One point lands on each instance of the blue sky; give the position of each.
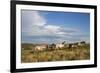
(54, 27)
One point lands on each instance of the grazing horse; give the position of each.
(73, 45)
(81, 43)
(56, 46)
(40, 47)
(59, 45)
(51, 46)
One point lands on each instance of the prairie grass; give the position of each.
(63, 54)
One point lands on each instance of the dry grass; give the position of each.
(63, 54)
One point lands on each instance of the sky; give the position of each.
(54, 27)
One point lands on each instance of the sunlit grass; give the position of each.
(63, 54)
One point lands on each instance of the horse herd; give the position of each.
(58, 46)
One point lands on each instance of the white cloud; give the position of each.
(52, 28)
(61, 33)
(38, 20)
(34, 24)
(31, 20)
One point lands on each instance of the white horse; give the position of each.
(59, 45)
(40, 48)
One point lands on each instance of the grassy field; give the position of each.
(64, 54)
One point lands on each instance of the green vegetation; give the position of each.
(28, 54)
